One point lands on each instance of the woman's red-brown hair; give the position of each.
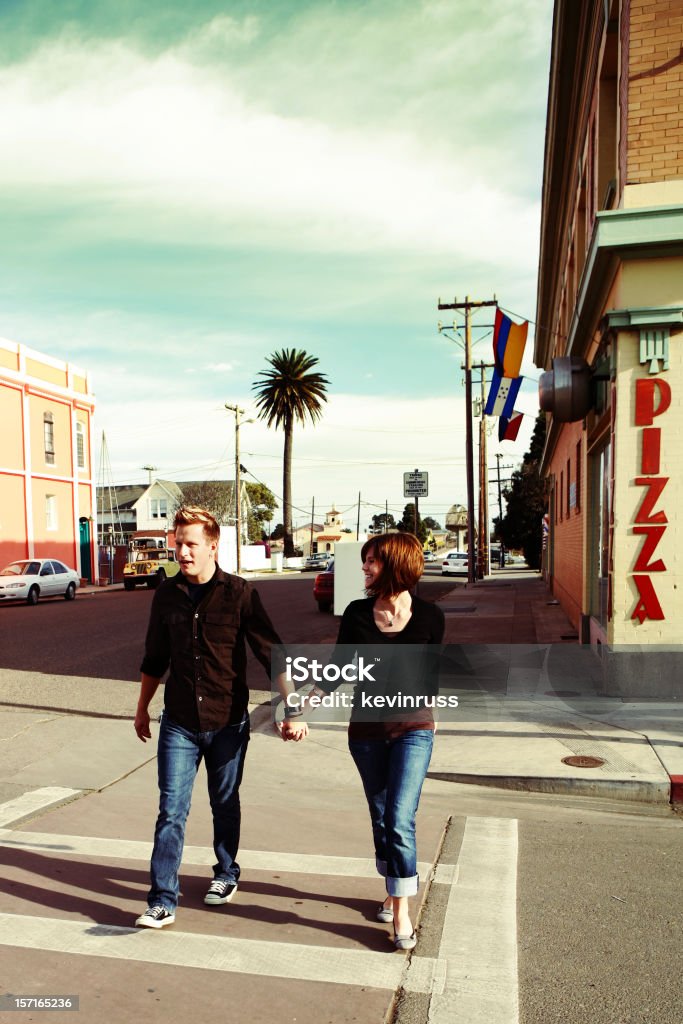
(402, 561)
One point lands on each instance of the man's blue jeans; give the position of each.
(179, 756)
(393, 771)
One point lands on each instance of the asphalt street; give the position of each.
(535, 909)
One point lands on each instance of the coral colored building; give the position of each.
(47, 490)
(610, 294)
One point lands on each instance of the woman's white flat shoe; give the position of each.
(405, 941)
(385, 914)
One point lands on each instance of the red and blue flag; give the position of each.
(509, 428)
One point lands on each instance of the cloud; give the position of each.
(187, 191)
(201, 148)
(362, 443)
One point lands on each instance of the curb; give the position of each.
(633, 791)
(676, 789)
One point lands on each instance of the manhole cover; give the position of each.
(583, 762)
(562, 693)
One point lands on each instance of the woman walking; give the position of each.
(392, 754)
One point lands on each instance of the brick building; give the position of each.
(610, 295)
(47, 490)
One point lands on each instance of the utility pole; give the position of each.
(312, 521)
(150, 470)
(468, 305)
(499, 456)
(237, 486)
(483, 522)
(358, 519)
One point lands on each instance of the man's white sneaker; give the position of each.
(155, 917)
(220, 891)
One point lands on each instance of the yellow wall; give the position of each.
(38, 406)
(12, 519)
(58, 543)
(648, 283)
(84, 501)
(11, 434)
(655, 193)
(42, 371)
(668, 585)
(9, 359)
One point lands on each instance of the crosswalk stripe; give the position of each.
(254, 860)
(33, 801)
(479, 940)
(293, 961)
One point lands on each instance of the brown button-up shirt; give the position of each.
(204, 647)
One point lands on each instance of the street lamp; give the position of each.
(237, 485)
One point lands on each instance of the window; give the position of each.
(599, 531)
(49, 438)
(158, 508)
(569, 487)
(578, 476)
(80, 444)
(58, 568)
(561, 502)
(51, 511)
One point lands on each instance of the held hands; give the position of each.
(293, 729)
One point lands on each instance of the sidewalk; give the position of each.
(535, 698)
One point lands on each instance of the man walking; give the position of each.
(198, 624)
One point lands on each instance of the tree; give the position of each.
(278, 532)
(216, 496)
(520, 527)
(382, 523)
(407, 523)
(288, 393)
(263, 505)
(431, 523)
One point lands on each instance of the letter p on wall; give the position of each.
(653, 397)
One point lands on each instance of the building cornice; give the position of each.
(619, 235)
(645, 316)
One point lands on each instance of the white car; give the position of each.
(455, 564)
(429, 556)
(33, 578)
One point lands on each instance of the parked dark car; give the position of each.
(323, 588)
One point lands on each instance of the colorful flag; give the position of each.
(509, 428)
(503, 395)
(509, 340)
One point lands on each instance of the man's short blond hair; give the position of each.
(187, 515)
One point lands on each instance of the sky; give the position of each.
(187, 188)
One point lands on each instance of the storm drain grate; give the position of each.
(581, 761)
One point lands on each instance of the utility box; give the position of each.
(349, 583)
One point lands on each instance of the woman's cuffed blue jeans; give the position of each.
(392, 772)
(179, 755)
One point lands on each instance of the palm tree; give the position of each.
(286, 393)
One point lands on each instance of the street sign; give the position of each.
(415, 484)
